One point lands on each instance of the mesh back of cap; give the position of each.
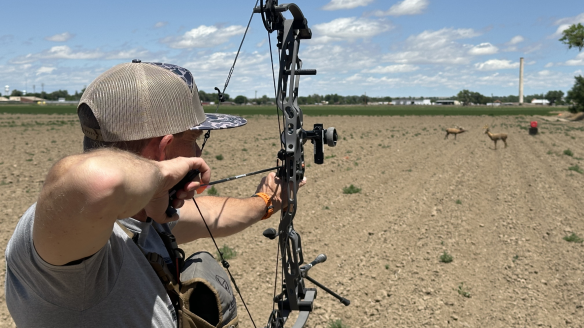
(138, 101)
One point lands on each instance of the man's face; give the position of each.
(185, 145)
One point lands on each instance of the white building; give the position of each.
(540, 102)
(411, 102)
(447, 102)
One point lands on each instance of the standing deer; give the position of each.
(496, 136)
(454, 131)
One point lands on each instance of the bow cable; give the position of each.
(221, 93)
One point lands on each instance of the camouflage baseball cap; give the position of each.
(141, 100)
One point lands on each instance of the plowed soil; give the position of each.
(501, 214)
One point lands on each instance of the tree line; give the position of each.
(466, 97)
(55, 95)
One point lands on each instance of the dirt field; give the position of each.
(502, 215)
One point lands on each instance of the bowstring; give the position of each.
(208, 134)
(281, 147)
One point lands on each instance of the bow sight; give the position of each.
(294, 295)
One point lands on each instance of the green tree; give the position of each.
(464, 97)
(554, 97)
(16, 93)
(576, 95)
(573, 36)
(240, 100)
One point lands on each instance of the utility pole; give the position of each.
(42, 87)
(33, 89)
(256, 95)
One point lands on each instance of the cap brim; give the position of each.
(220, 121)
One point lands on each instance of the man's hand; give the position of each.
(172, 171)
(274, 187)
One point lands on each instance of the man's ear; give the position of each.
(162, 146)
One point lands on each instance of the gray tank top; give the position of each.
(116, 287)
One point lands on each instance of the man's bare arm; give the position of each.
(84, 194)
(227, 216)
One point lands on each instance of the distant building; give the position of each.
(450, 102)
(31, 99)
(411, 102)
(3, 99)
(540, 102)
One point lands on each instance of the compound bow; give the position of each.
(294, 296)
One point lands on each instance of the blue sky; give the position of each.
(384, 48)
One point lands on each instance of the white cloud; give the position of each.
(160, 24)
(549, 65)
(339, 59)
(402, 68)
(346, 4)
(496, 64)
(434, 47)
(406, 7)
(350, 28)
(564, 23)
(64, 52)
(204, 37)
(515, 40)
(127, 54)
(577, 61)
(483, 49)
(60, 37)
(45, 69)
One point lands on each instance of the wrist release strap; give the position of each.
(269, 206)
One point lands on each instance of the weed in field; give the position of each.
(387, 267)
(568, 152)
(326, 208)
(212, 191)
(462, 291)
(351, 190)
(550, 152)
(29, 160)
(244, 149)
(515, 258)
(330, 156)
(576, 168)
(228, 253)
(382, 172)
(206, 153)
(409, 170)
(349, 168)
(458, 202)
(573, 238)
(356, 163)
(219, 157)
(273, 144)
(53, 141)
(446, 258)
(336, 324)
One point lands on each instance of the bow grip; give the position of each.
(190, 176)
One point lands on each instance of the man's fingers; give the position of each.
(302, 183)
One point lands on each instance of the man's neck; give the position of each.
(140, 216)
